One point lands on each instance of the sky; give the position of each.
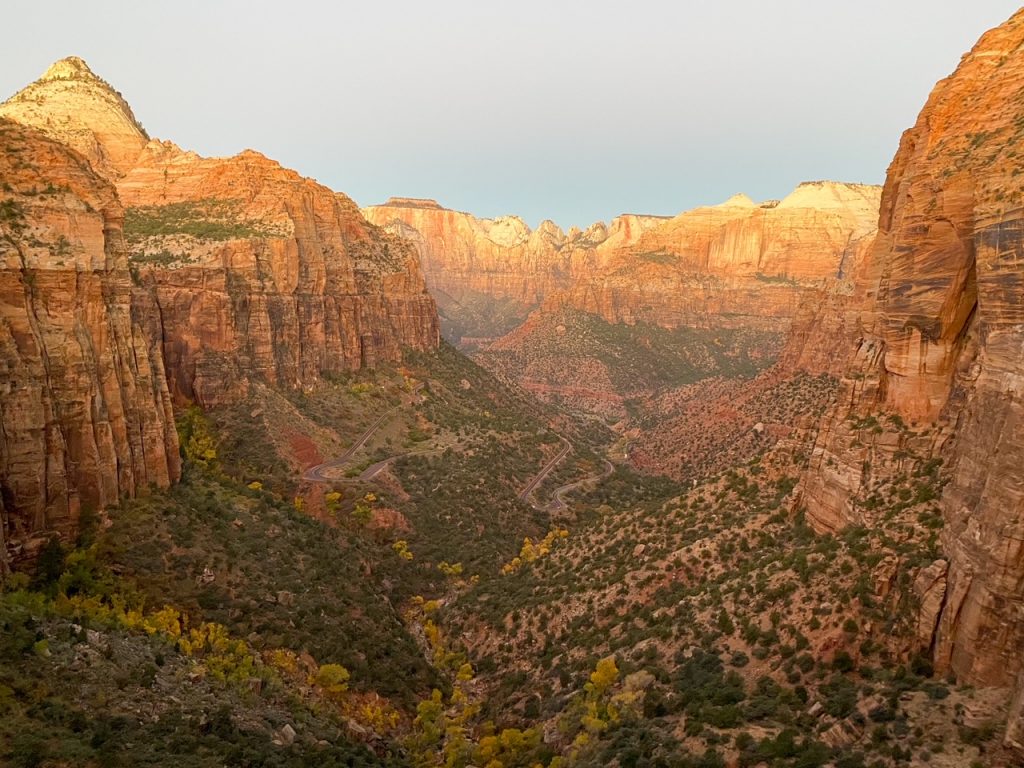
(567, 109)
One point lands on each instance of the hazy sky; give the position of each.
(569, 110)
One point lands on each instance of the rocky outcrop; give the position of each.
(72, 105)
(85, 413)
(216, 273)
(259, 273)
(734, 265)
(489, 274)
(938, 340)
(254, 272)
(501, 258)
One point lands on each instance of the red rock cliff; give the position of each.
(85, 413)
(260, 273)
(737, 264)
(254, 272)
(938, 341)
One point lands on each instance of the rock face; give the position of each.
(216, 273)
(72, 105)
(474, 265)
(259, 273)
(937, 342)
(85, 413)
(254, 272)
(737, 264)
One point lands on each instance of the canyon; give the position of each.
(936, 342)
(207, 274)
(785, 436)
(734, 265)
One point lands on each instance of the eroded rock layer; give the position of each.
(72, 105)
(216, 273)
(938, 342)
(737, 264)
(261, 273)
(85, 413)
(488, 274)
(734, 265)
(254, 271)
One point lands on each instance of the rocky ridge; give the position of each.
(71, 104)
(471, 264)
(137, 273)
(260, 273)
(728, 265)
(255, 273)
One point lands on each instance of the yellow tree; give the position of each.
(332, 679)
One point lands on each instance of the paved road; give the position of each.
(321, 472)
(557, 503)
(375, 469)
(539, 477)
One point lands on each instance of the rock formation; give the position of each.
(469, 261)
(736, 265)
(72, 105)
(937, 342)
(219, 272)
(85, 413)
(259, 273)
(255, 272)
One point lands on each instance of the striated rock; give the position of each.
(736, 265)
(252, 271)
(1014, 741)
(474, 265)
(220, 272)
(462, 255)
(930, 588)
(814, 233)
(260, 273)
(72, 105)
(938, 340)
(85, 413)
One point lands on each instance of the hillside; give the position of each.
(738, 488)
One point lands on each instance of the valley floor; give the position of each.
(424, 566)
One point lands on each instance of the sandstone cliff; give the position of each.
(254, 272)
(937, 343)
(259, 273)
(488, 274)
(72, 105)
(735, 265)
(220, 272)
(85, 413)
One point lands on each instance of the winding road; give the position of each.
(531, 486)
(321, 472)
(326, 472)
(557, 503)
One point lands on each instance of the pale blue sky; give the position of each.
(570, 110)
